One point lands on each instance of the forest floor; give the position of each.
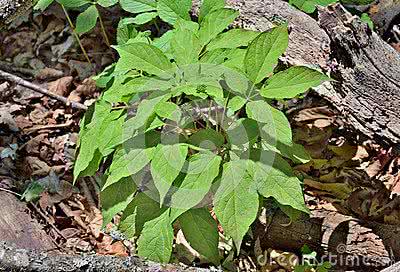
(38, 135)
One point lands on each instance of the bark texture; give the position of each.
(351, 244)
(19, 228)
(10, 9)
(23, 260)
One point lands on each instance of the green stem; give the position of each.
(103, 29)
(76, 34)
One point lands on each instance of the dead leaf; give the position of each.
(60, 86)
(87, 88)
(74, 96)
(48, 73)
(107, 247)
(36, 166)
(38, 115)
(77, 243)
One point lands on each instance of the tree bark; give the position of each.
(19, 228)
(348, 243)
(23, 260)
(10, 9)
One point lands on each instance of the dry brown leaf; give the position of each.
(107, 247)
(339, 190)
(60, 86)
(38, 115)
(74, 97)
(48, 73)
(87, 88)
(77, 243)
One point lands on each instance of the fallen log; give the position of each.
(348, 243)
(23, 260)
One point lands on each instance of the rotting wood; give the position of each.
(350, 243)
(19, 228)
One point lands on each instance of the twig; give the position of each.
(45, 217)
(56, 126)
(13, 68)
(27, 84)
(10, 192)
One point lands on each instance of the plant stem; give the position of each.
(103, 29)
(76, 34)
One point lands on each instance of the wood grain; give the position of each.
(17, 227)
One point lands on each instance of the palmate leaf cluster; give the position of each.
(159, 176)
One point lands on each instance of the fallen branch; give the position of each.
(19, 81)
(12, 259)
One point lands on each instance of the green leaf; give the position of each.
(200, 174)
(232, 39)
(186, 47)
(170, 10)
(293, 214)
(182, 24)
(33, 192)
(141, 209)
(104, 125)
(106, 3)
(292, 82)
(236, 103)
(242, 132)
(138, 6)
(236, 200)
(214, 23)
(155, 242)
(278, 181)
(366, 19)
(86, 21)
(144, 57)
(143, 18)
(295, 152)
(166, 165)
(201, 231)
(128, 164)
(125, 33)
(169, 110)
(43, 4)
(207, 139)
(73, 3)
(116, 197)
(209, 5)
(145, 110)
(275, 128)
(264, 51)
(163, 43)
(308, 6)
(120, 89)
(110, 133)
